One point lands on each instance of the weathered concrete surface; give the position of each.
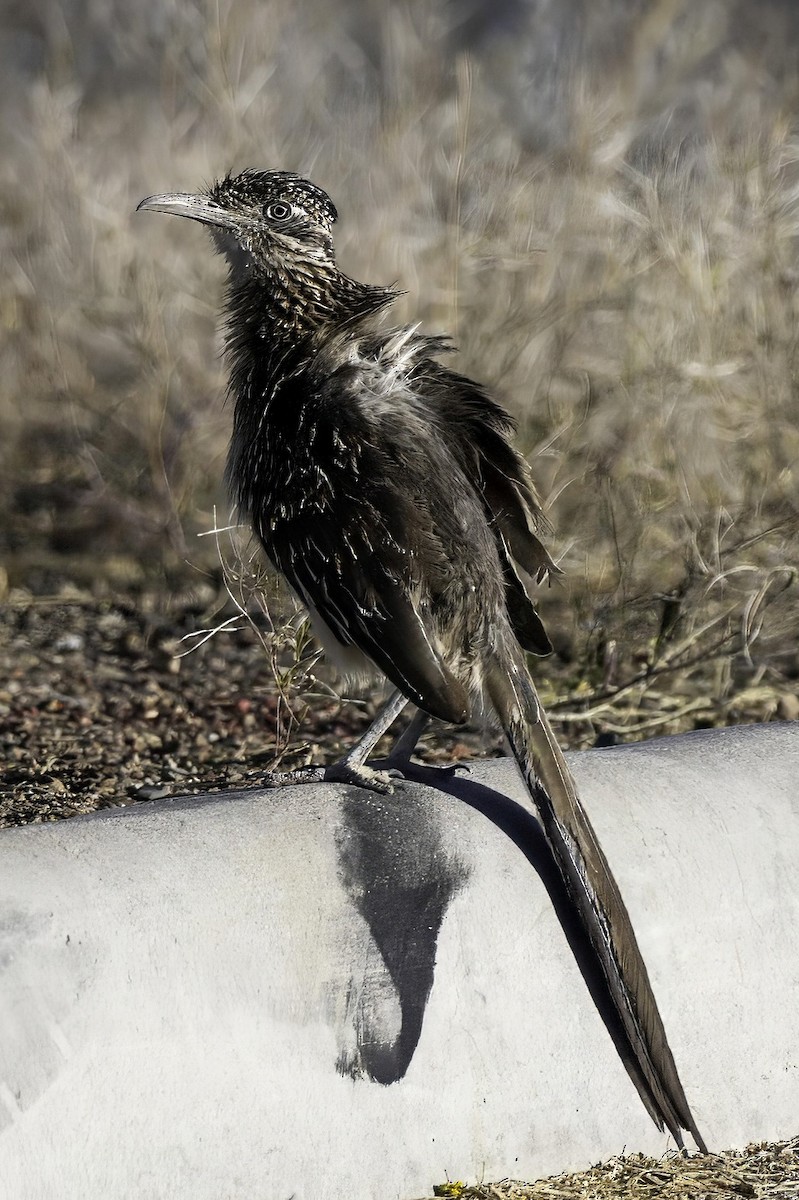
(322, 992)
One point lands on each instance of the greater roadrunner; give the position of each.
(385, 488)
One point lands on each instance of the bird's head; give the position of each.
(263, 221)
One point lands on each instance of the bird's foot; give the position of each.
(361, 775)
(373, 779)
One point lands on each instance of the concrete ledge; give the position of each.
(324, 992)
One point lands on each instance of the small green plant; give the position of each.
(450, 1188)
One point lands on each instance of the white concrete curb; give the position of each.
(321, 992)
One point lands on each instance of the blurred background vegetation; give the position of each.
(600, 200)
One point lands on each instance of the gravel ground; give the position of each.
(100, 705)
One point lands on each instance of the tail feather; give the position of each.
(596, 896)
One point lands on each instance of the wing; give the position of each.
(365, 603)
(527, 625)
(480, 429)
(352, 534)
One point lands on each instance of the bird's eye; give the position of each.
(279, 211)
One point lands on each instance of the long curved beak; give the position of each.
(197, 208)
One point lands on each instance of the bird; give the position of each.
(386, 488)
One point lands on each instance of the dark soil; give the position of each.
(101, 705)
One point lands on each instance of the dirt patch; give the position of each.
(106, 702)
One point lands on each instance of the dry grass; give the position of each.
(765, 1170)
(604, 210)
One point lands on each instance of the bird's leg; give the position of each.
(352, 768)
(399, 759)
(405, 744)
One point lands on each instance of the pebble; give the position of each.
(69, 643)
(152, 791)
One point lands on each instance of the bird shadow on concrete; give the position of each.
(525, 831)
(401, 875)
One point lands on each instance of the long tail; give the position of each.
(595, 894)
